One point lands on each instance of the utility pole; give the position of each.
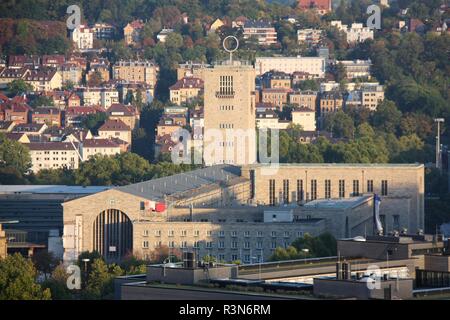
(438, 143)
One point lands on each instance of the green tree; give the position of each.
(18, 280)
(340, 124)
(18, 87)
(14, 154)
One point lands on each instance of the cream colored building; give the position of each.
(313, 65)
(229, 106)
(307, 99)
(205, 210)
(191, 69)
(185, 90)
(3, 247)
(105, 147)
(104, 96)
(44, 79)
(136, 71)
(355, 33)
(372, 96)
(83, 37)
(304, 117)
(115, 129)
(53, 155)
(310, 37)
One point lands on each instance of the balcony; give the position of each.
(225, 95)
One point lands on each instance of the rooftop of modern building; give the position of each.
(338, 203)
(158, 189)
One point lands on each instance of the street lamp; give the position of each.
(438, 142)
(85, 260)
(306, 251)
(259, 269)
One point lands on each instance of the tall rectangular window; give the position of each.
(370, 186)
(313, 189)
(341, 188)
(327, 189)
(396, 222)
(272, 192)
(384, 187)
(226, 85)
(355, 188)
(300, 190)
(286, 191)
(383, 223)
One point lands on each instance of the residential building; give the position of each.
(229, 104)
(30, 128)
(312, 65)
(215, 26)
(105, 147)
(132, 32)
(104, 96)
(146, 91)
(330, 102)
(264, 33)
(49, 116)
(304, 117)
(128, 114)
(17, 112)
(167, 126)
(276, 79)
(276, 96)
(83, 37)
(10, 74)
(268, 119)
(6, 126)
(310, 37)
(116, 129)
(101, 68)
(3, 245)
(191, 69)
(44, 79)
(71, 73)
(136, 71)
(74, 116)
(24, 61)
(103, 31)
(185, 90)
(53, 155)
(355, 33)
(54, 60)
(306, 99)
(162, 35)
(321, 6)
(372, 95)
(357, 69)
(19, 137)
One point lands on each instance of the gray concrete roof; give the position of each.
(156, 189)
(344, 203)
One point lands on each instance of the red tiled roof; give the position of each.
(120, 108)
(114, 125)
(187, 82)
(100, 143)
(60, 146)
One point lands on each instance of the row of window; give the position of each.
(328, 191)
(210, 245)
(221, 233)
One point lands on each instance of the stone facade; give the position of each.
(230, 119)
(401, 187)
(3, 250)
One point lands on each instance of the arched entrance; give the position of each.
(113, 234)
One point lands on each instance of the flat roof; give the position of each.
(344, 203)
(157, 189)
